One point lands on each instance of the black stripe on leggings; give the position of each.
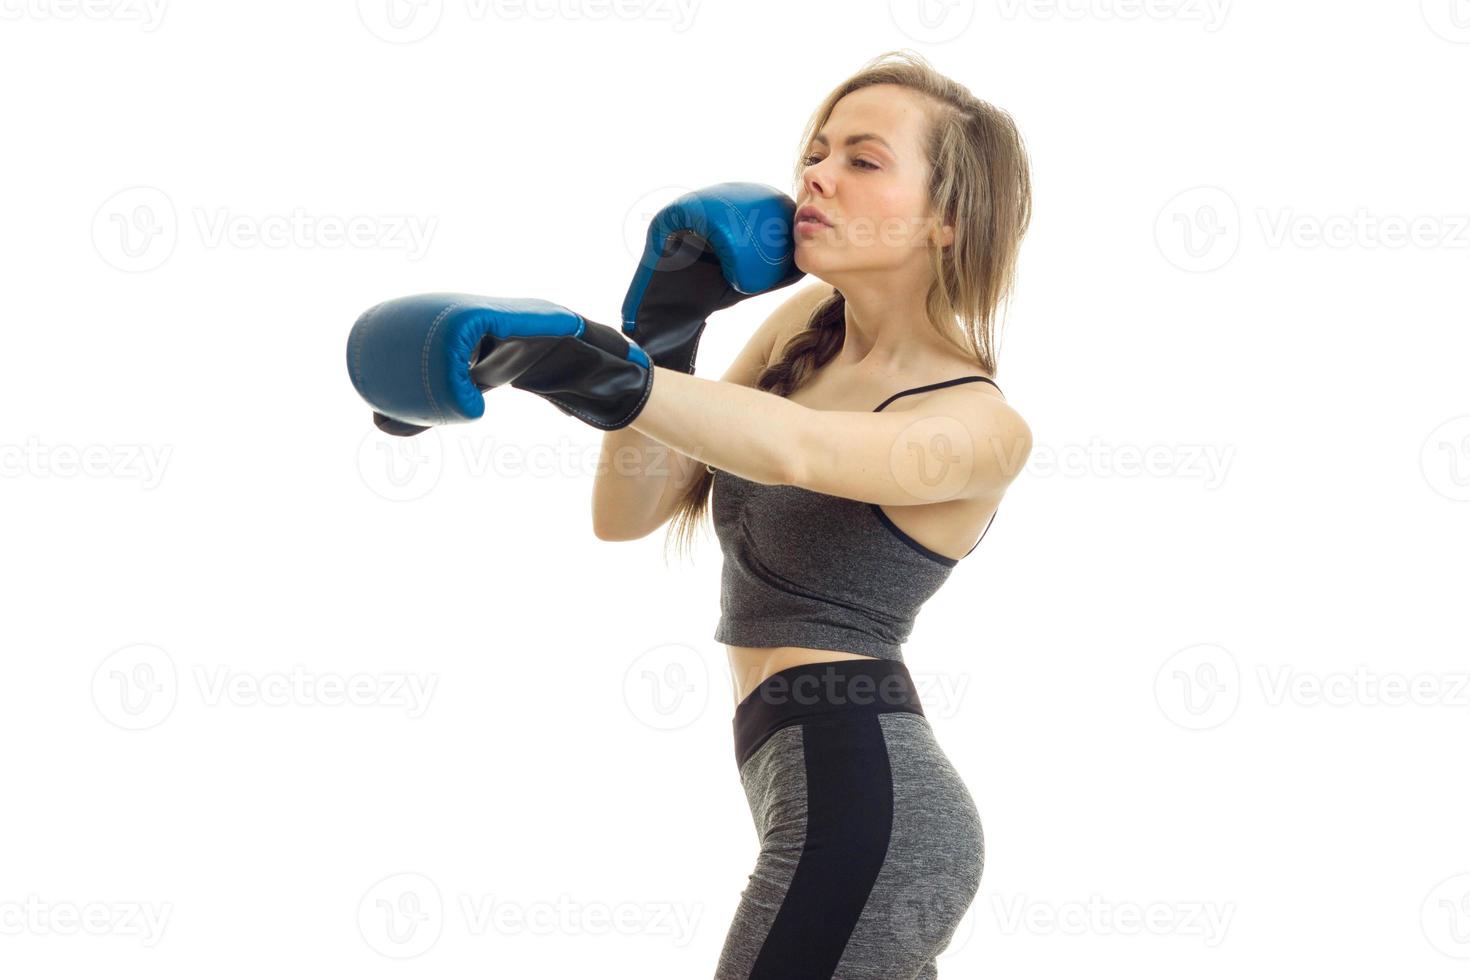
(849, 820)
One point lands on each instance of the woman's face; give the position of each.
(873, 191)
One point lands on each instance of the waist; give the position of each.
(749, 665)
(812, 691)
(809, 632)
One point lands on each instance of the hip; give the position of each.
(842, 752)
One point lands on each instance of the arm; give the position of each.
(640, 480)
(957, 444)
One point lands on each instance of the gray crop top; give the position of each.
(808, 569)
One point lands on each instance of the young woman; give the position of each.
(841, 506)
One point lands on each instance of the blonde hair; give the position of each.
(979, 183)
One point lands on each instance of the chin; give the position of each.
(809, 258)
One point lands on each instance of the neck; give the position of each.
(887, 330)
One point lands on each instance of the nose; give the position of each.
(816, 179)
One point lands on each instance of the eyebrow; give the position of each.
(858, 138)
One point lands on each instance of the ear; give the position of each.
(946, 236)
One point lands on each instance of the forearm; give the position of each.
(635, 474)
(744, 431)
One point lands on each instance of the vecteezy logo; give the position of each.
(1445, 458)
(1450, 19)
(136, 229)
(402, 916)
(1199, 229)
(667, 686)
(136, 687)
(400, 468)
(1445, 917)
(932, 21)
(1198, 687)
(939, 908)
(400, 21)
(923, 458)
(638, 217)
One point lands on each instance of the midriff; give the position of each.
(949, 527)
(751, 665)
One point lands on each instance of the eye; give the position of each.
(867, 164)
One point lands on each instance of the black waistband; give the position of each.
(808, 691)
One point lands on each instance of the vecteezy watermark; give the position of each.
(404, 915)
(137, 230)
(1200, 229)
(407, 21)
(1361, 687)
(95, 461)
(220, 684)
(937, 907)
(1445, 917)
(925, 462)
(941, 694)
(34, 916)
(1201, 686)
(401, 916)
(1203, 462)
(1444, 458)
(1210, 14)
(768, 233)
(935, 456)
(667, 687)
(934, 904)
(137, 687)
(566, 916)
(829, 684)
(1097, 916)
(400, 21)
(399, 468)
(1450, 19)
(223, 227)
(932, 21)
(640, 215)
(1198, 687)
(864, 232)
(1362, 229)
(147, 14)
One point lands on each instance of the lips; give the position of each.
(809, 213)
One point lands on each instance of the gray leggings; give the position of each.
(871, 848)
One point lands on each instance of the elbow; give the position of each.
(606, 528)
(789, 472)
(622, 530)
(608, 532)
(792, 461)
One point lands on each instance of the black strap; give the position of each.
(937, 384)
(946, 384)
(982, 533)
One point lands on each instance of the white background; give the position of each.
(1208, 669)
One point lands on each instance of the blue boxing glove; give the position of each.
(427, 360)
(706, 251)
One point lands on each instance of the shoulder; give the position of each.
(995, 428)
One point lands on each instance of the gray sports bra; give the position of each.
(808, 569)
